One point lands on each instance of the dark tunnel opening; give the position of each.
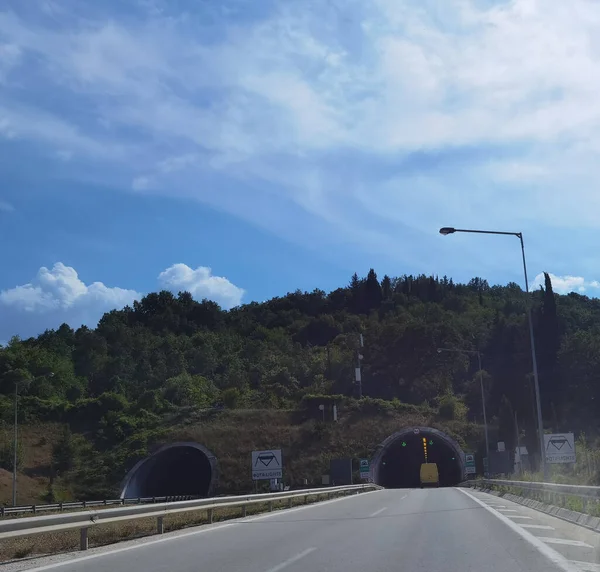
(401, 460)
(185, 469)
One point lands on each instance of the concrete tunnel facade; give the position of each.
(398, 458)
(175, 469)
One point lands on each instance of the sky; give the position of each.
(241, 150)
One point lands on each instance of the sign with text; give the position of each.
(267, 465)
(470, 464)
(560, 448)
(365, 468)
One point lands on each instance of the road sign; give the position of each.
(560, 448)
(267, 465)
(470, 464)
(365, 468)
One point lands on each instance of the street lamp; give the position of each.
(485, 426)
(446, 230)
(14, 479)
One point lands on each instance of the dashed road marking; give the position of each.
(538, 526)
(378, 512)
(291, 560)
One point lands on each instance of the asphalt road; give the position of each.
(430, 530)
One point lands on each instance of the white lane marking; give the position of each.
(537, 526)
(518, 516)
(403, 497)
(506, 509)
(291, 560)
(554, 557)
(378, 512)
(564, 541)
(200, 530)
(586, 566)
(496, 505)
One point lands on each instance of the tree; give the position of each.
(386, 287)
(548, 348)
(63, 452)
(506, 424)
(373, 293)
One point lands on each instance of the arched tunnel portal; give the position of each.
(185, 468)
(398, 460)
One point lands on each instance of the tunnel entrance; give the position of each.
(397, 463)
(173, 470)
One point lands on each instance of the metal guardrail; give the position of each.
(71, 505)
(583, 491)
(27, 526)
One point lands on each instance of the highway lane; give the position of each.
(429, 530)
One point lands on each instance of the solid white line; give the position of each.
(200, 530)
(537, 526)
(586, 566)
(378, 512)
(291, 560)
(564, 541)
(554, 557)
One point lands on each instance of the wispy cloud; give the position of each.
(387, 112)
(58, 295)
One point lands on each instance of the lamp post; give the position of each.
(14, 479)
(485, 426)
(451, 230)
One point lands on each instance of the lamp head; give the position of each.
(445, 230)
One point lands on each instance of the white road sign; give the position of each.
(560, 448)
(267, 465)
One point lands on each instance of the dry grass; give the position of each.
(32, 481)
(67, 541)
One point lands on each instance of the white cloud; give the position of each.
(349, 111)
(56, 296)
(201, 284)
(566, 284)
(59, 295)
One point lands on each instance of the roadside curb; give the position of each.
(574, 517)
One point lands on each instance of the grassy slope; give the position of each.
(33, 479)
(307, 444)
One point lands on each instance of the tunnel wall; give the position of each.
(411, 431)
(132, 484)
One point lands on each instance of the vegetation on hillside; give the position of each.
(113, 386)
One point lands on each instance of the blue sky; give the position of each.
(243, 149)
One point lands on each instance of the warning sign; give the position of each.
(560, 448)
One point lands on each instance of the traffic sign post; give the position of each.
(560, 448)
(365, 468)
(267, 465)
(470, 464)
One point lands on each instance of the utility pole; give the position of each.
(518, 455)
(358, 374)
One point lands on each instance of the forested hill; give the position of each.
(170, 351)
